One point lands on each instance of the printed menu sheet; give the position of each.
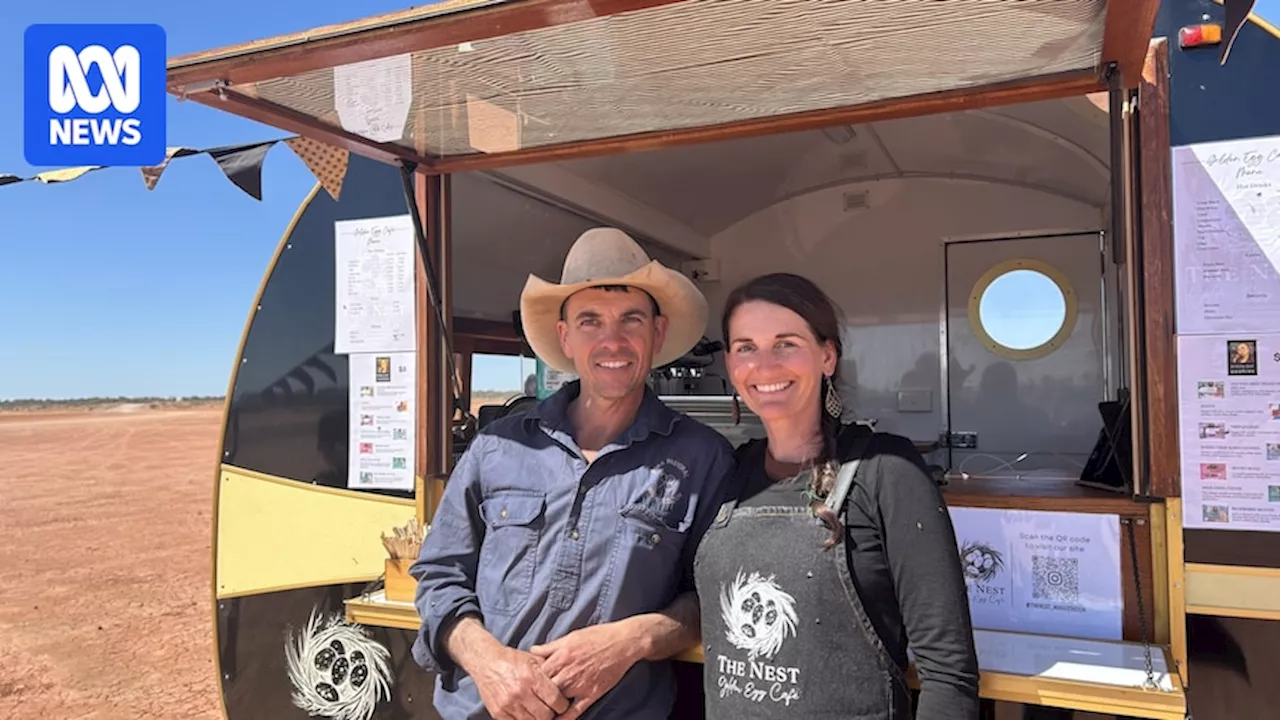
(373, 97)
(381, 447)
(1226, 207)
(1229, 413)
(1042, 572)
(374, 272)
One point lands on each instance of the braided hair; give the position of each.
(801, 296)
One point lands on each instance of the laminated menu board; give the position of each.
(1229, 431)
(1227, 282)
(381, 446)
(1226, 229)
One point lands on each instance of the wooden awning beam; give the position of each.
(1127, 37)
(293, 121)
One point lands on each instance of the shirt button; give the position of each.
(574, 533)
(655, 538)
(503, 513)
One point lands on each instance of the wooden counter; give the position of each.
(1072, 673)
(1009, 493)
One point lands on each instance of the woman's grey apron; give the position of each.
(783, 629)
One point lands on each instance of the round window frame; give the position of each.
(1043, 349)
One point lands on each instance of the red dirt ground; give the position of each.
(104, 564)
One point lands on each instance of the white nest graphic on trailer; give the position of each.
(337, 670)
(758, 615)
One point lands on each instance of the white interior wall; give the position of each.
(883, 266)
(501, 236)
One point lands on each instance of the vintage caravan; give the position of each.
(1051, 225)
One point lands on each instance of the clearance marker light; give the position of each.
(1200, 35)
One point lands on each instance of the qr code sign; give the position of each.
(1055, 578)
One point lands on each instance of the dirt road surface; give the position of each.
(104, 564)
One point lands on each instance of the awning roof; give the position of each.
(466, 84)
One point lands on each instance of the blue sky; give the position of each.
(180, 263)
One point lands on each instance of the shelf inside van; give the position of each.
(1097, 676)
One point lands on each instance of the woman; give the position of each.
(809, 602)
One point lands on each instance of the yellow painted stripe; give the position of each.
(276, 534)
(1084, 697)
(1232, 591)
(1264, 24)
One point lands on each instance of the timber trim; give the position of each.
(290, 120)
(1129, 24)
(435, 385)
(1155, 235)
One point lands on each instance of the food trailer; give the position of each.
(1051, 225)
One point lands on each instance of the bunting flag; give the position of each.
(241, 164)
(50, 177)
(151, 174)
(326, 162)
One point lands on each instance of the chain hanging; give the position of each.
(1150, 683)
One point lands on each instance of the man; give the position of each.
(557, 577)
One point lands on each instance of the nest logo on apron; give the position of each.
(759, 617)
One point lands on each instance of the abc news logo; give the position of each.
(94, 95)
(69, 89)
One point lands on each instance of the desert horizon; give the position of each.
(106, 507)
(125, 403)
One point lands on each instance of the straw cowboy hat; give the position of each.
(607, 256)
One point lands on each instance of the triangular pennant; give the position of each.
(242, 164)
(1236, 13)
(151, 174)
(65, 174)
(326, 162)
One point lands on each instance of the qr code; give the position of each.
(1055, 579)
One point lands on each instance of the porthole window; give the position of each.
(1022, 309)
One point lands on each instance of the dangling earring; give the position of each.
(835, 408)
(737, 410)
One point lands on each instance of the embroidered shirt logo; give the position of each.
(663, 498)
(758, 615)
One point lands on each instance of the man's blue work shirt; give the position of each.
(539, 543)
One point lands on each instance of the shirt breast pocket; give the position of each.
(514, 521)
(655, 528)
(647, 553)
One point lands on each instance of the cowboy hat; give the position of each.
(607, 256)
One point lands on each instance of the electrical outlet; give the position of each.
(915, 401)
(964, 440)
